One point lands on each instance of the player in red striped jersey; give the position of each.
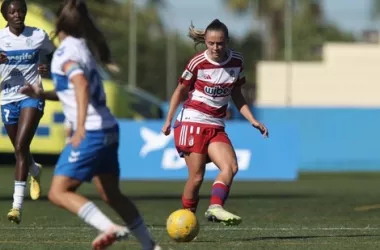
(210, 79)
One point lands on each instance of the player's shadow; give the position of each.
(169, 197)
(264, 238)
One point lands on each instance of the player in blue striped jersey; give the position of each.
(20, 49)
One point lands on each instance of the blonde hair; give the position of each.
(197, 35)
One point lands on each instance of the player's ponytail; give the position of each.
(199, 36)
(75, 20)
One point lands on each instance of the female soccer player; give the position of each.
(20, 46)
(211, 78)
(92, 153)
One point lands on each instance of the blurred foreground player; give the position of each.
(92, 153)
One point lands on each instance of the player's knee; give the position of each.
(21, 150)
(230, 170)
(53, 196)
(196, 179)
(111, 197)
(234, 168)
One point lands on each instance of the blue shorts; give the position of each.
(10, 112)
(97, 154)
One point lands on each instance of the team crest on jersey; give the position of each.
(29, 42)
(191, 141)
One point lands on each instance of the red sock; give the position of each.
(190, 204)
(219, 193)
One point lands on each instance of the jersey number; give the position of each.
(6, 115)
(98, 97)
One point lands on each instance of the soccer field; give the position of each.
(320, 211)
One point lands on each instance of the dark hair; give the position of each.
(198, 35)
(5, 6)
(75, 20)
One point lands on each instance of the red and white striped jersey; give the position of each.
(211, 84)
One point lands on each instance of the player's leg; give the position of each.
(108, 188)
(20, 125)
(34, 169)
(196, 165)
(75, 166)
(223, 155)
(63, 194)
(106, 180)
(190, 140)
(31, 112)
(10, 113)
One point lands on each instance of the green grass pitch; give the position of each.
(319, 211)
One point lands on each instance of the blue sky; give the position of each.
(351, 15)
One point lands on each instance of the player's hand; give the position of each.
(3, 58)
(261, 127)
(33, 91)
(113, 67)
(166, 128)
(77, 137)
(43, 70)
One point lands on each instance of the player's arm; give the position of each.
(50, 95)
(187, 79)
(36, 91)
(175, 100)
(241, 104)
(77, 77)
(46, 56)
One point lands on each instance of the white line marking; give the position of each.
(209, 228)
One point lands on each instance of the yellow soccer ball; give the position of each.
(182, 225)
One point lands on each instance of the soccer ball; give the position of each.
(182, 225)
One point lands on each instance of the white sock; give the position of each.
(34, 170)
(141, 232)
(94, 217)
(18, 195)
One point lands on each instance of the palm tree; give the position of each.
(375, 10)
(271, 14)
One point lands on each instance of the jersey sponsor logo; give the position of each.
(217, 91)
(18, 57)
